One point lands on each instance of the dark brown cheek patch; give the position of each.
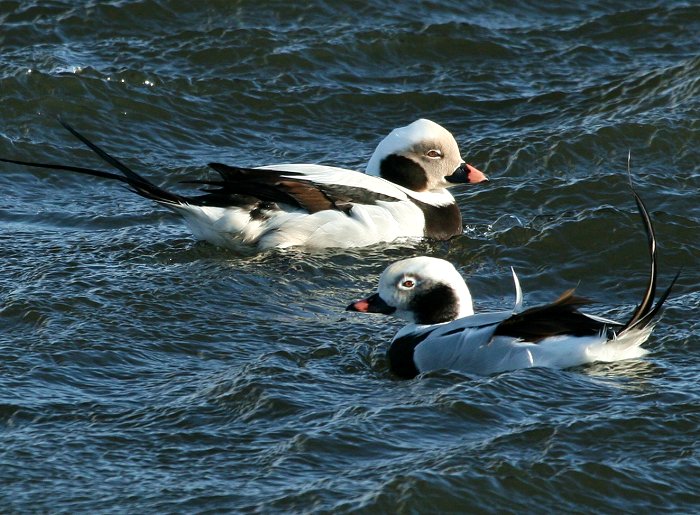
(436, 305)
(404, 172)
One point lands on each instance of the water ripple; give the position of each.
(143, 371)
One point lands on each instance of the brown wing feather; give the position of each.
(307, 194)
(283, 187)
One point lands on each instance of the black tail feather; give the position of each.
(649, 294)
(128, 172)
(646, 311)
(139, 184)
(78, 169)
(649, 317)
(136, 182)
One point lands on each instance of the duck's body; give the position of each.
(444, 332)
(316, 206)
(402, 195)
(481, 344)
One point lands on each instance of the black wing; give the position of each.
(559, 318)
(287, 187)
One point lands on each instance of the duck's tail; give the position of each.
(134, 181)
(645, 313)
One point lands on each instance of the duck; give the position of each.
(444, 332)
(402, 194)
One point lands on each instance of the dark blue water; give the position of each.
(142, 371)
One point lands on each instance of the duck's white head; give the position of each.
(422, 156)
(421, 290)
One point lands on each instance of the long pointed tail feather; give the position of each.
(646, 311)
(128, 172)
(78, 169)
(651, 315)
(136, 182)
(648, 298)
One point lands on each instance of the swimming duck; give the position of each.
(444, 332)
(402, 195)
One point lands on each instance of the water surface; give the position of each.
(142, 371)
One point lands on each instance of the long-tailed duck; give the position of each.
(402, 194)
(444, 332)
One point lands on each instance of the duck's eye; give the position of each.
(408, 283)
(434, 153)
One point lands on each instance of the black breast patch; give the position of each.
(441, 222)
(400, 354)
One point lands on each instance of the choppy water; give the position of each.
(141, 371)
